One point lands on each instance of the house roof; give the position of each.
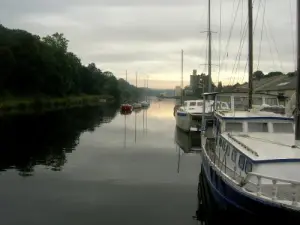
(284, 83)
(274, 83)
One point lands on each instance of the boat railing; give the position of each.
(279, 190)
(291, 187)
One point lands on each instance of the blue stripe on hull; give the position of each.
(228, 198)
(181, 114)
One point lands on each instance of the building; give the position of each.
(282, 85)
(177, 91)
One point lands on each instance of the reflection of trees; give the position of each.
(30, 140)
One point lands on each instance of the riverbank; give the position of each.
(28, 105)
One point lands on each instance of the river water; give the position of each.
(95, 166)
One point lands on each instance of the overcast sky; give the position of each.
(147, 35)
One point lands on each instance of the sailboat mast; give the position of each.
(181, 77)
(209, 49)
(136, 74)
(297, 114)
(250, 64)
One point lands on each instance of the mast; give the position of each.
(297, 115)
(126, 75)
(136, 79)
(209, 49)
(181, 77)
(250, 42)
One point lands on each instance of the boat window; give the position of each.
(228, 150)
(283, 128)
(233, 155)
(231, 126)
(220, 141)
(240, 103)
(257, 100)
(257, 127)
(199, 103)
(271, 101)
(192, 103)
(242, 160)
(224, 145)
(248, 167)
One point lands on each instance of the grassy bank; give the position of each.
(37, 104)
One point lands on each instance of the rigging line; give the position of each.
(275, 44)
(239, 59)
(240, 45)
(261, 34)
(270, 47)
(240, 50)
(220, 36)
(270, 44)
(293, 39)
(230, 33)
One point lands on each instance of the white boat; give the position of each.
(252, 156)
(251, 160)
(136, 105)
(145, 104)
(189, 116)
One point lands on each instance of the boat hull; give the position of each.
(226, 198)
(183, 121)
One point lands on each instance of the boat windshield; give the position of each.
(199, 103)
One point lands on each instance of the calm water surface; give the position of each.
(95, 166)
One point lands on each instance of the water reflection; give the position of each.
(186, 143)
(145, 123)
(44, 139)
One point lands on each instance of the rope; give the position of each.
(230, 33)
(293, 40)
(261, 35)
(220, 36)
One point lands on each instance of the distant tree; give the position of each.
(57, 40)
(33, 66)
(219, 88)
(258, 74)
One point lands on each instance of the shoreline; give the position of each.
(43, 104)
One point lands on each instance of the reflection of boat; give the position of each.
(188, 142)
(126, 108)
(137, 110)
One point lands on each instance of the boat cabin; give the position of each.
(238, 101)
(260, 142)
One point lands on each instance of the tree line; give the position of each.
(31, 65)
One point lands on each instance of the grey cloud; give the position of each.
(146, 33)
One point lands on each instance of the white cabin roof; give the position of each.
(244, 115)
(270, 147)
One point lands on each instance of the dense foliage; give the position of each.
(35, 66)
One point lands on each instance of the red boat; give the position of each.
(126, 108)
